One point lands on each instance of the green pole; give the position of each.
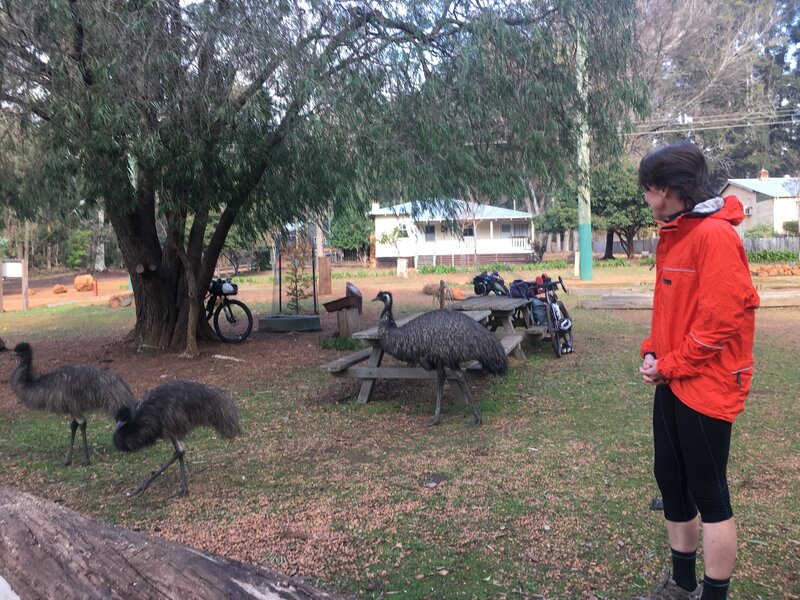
(584, 195)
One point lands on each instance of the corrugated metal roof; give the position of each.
(437, 213)
(774, 187)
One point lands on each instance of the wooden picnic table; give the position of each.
(502, 309)
(374, 353)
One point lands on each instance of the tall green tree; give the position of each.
(619, 201)
(184, 118)
(350, 229)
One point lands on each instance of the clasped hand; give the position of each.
(649, 370)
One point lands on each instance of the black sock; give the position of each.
(715, 589)
(683, 569)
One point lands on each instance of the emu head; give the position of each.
(386, 298)
(23, 352)
(125, 427)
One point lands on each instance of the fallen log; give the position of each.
(48, 551)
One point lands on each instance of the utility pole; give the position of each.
(584, 195)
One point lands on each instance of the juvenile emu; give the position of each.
(171, 411)
(71, 390)
(441, 339)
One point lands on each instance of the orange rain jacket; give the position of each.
(704, 309)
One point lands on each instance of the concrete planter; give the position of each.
(289, 323)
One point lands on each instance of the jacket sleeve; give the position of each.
(647, 347)
(723, 282)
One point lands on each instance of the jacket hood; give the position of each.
(728, 208)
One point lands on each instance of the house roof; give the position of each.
(774, 187)
(437, 212)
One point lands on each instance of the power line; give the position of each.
(709, 128)
(732, 117)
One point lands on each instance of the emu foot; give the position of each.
(477, 421)
(86, 462)
(66, 462)
(180, 493)
(435, 420)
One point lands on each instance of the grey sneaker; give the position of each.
(667, 589)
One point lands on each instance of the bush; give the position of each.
(760, 231)
(610, 262)
(771, 256)
(428, 269)
(791, 227)
(647, 261)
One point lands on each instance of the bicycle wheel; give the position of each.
(552, 328)
(233, 321)
(565, 335)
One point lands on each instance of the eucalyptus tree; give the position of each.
(186, 118)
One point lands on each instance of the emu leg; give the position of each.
(468, 395)
(437, 416)
(177, 455)
(85, 443)
(73, 427)
(184, 482)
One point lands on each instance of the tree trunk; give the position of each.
(609, 253)
(49, 551)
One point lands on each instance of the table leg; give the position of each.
(366, 386)
(508, 327)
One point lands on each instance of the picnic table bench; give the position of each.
(373, 354)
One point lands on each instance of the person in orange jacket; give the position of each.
(699, 357)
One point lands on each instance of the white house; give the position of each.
(490, 234)
(767, 200)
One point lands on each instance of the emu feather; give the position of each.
(438, 340)
(171, 411)
(72, 390)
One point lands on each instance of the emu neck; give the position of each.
(387, 320)
(22, 381)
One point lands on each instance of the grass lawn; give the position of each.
(548, 499)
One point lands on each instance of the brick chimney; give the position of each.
(763, 174)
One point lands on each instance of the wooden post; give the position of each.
(325, 288)
(1, 286)
(441, 293)
(349, 322)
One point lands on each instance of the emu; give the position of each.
(438, 340)
(171, 411)
(71, 390)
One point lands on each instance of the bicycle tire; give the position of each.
(233, 331)
(552, 328)
(566, 336)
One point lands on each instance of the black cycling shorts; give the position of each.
(691, 459)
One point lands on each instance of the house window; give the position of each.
(505, 230)
(520, 230)
(430, 233)
(468, 231)
(402, 231)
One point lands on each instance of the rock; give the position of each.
(84, 283)
(31, 292)
(430, 289)
(121, 300)
(59, 289)
(796, 271)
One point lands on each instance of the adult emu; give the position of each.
(171, 411)
(438, 340)
(72, 390)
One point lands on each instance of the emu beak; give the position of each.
(120, 424)
(376, 298)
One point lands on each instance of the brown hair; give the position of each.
(680, 166)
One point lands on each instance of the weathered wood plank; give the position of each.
(340, 364)
(48, 551)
